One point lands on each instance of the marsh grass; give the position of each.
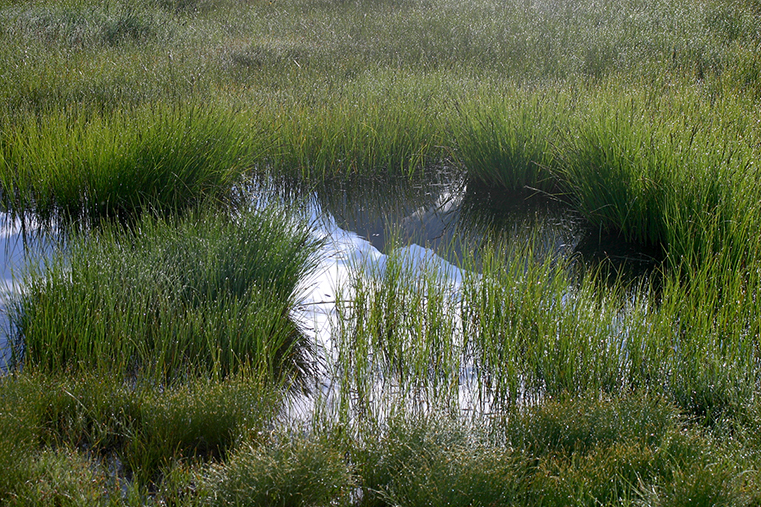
(79, 26)
(387, 127)
(624, 450)
(655, 170)
(643, 118)
(508, 143)
(110, 432)
(523, 328)
(574, 397)
(398, 338)
(207, 291)
(289, 470)
(580, 450)
(81, 166)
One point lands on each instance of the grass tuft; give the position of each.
(207, 291)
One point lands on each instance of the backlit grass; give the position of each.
(83, 166)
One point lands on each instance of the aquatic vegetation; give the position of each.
(205, 291)
(77, 166)
(99, 430)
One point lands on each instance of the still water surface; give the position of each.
(438, 218)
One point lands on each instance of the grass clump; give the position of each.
(580, 424)
(626, 450)
(61, 477)
(436, 460)
(63, 431)
(667, 171)
(71, 165)
(207, 291)
(508, 143)
(289, 470)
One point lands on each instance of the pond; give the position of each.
(432, 223)
(451, 215)
(441, 218)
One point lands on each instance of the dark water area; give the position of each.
(448, 213)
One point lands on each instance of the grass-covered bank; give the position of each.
(654, 166)
(102, 441)
(151, 351)
(73, 165)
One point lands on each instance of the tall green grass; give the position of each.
(207, 292)
(509, 143)
(82, 166)
(523, 328)
(669, 170)
(392, 87)
(643, 117)
(373, 126)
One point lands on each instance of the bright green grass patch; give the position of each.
(523, 328)
(506, 140)
(339, 87)
(673, 170)
(209, 292)
(71, 165)
(390, 124)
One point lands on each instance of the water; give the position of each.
(21, 243)
(434, 220)
(445, 213)
(431, 224)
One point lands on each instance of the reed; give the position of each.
(508, 141)
(385, 126)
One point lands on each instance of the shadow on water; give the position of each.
(451, 215)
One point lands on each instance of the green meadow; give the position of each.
(155, 358)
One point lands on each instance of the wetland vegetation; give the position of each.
(160, 355)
